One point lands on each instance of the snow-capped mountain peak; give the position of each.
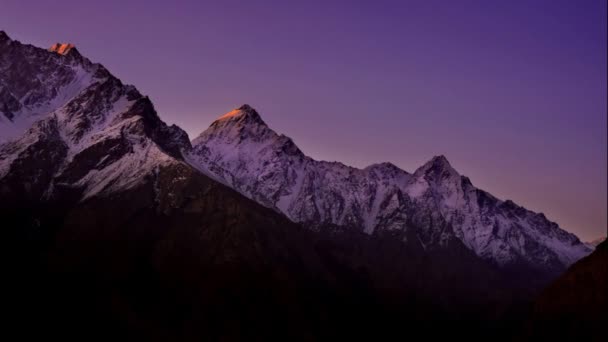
(96, 134)
(243, 124)
(436, 202)
(241, 120)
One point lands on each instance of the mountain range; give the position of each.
(241, 151)
(155, 236)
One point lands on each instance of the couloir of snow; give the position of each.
(240, 150)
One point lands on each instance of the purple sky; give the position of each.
(512, 92)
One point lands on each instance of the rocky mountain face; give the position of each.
(71, 127)
(241, 151)
(116, 226)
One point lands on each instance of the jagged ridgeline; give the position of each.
(437, 203)
(118, 225)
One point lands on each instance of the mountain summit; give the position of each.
(436, 164)
(244, 112)
(435, 202)
(62, 48)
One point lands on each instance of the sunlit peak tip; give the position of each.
(240, 111)
(62, 48)
(231, 114)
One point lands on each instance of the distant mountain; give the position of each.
(575, 306)
(241, 151)
(594, 243)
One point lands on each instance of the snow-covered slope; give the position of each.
(240, 150)
(68, 124)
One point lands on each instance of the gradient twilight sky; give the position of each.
(512, 92)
